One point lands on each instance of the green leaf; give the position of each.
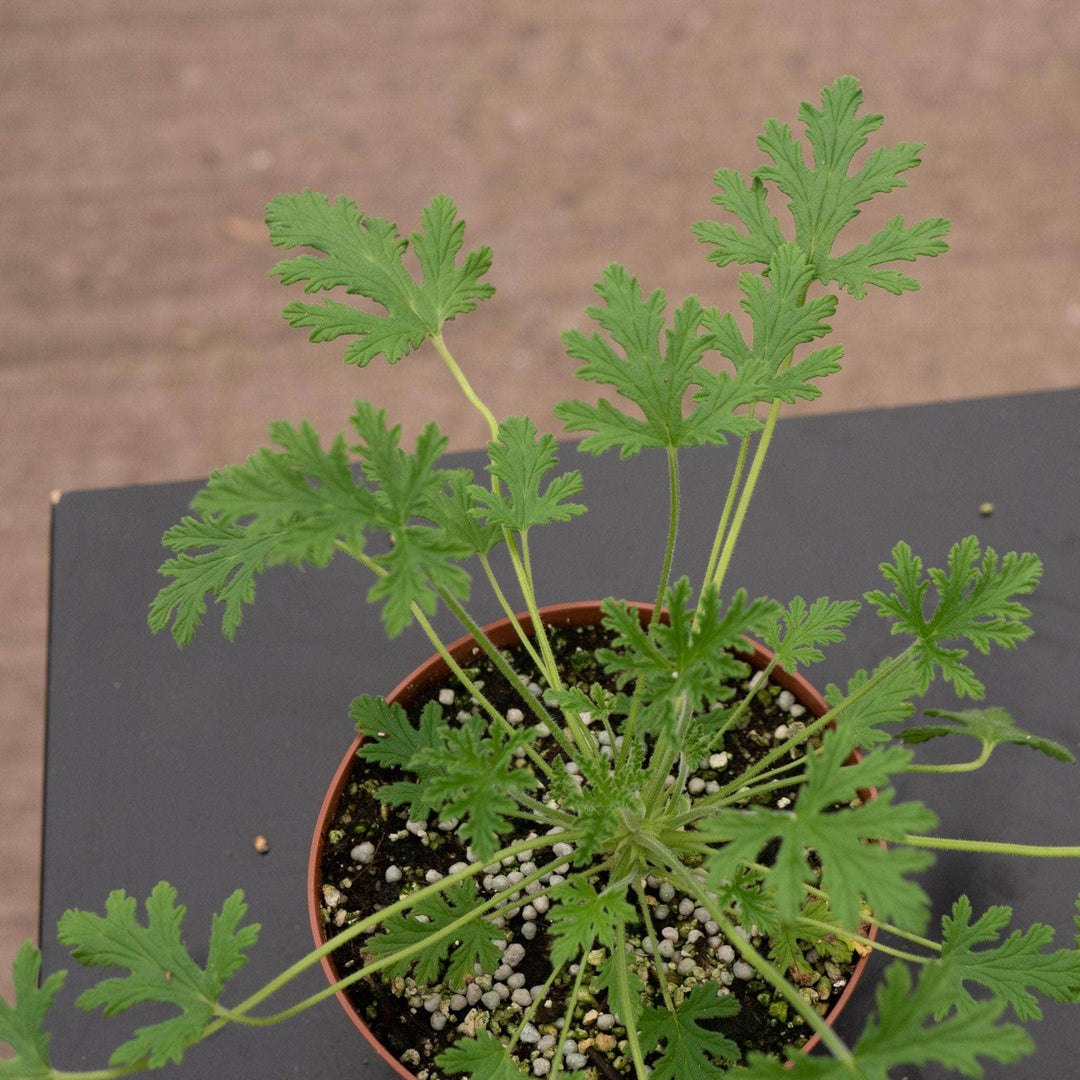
(421, 559)
(684, 664)
(472, 777)
(160, 967)
(1009, 969)
(691, 1049)
(992, 727)
(807, 627)
(824, 198)
(975, 602)
(289, 505)
(582, 916)
(443, 959)
(364, 254)
(21, 1026)
(451, 509)
(853, 865)
(900, 1035)
(885, 702)
(789, 943)
(482, 1057)
(655, 380)
(521, 460)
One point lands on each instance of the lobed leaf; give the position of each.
(992, 727)
(21, 1025)
(521, 460)
(159, 965)
(823, 198)
(690, 1049)
(445, 957)
(364, 254)
(805, 628)
(656, 380)
(976, 602)
(901, 1034)
(1007, 970)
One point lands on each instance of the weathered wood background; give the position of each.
(140, 339)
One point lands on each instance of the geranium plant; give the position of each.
(629, 822)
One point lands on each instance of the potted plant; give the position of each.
(631, 830)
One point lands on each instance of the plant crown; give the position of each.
(837, 863)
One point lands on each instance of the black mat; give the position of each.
(163, 763)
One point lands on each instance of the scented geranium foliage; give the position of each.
(791, 861)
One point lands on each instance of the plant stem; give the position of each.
(675, 489)
(626, 1004)
(650, 929)
(747, 493)
(1037, 851)
(965, 766)
(466, 387)
(729, 503)
(509, 612)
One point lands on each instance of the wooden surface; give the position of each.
(140, 340)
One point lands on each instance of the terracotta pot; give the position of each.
(434, 671)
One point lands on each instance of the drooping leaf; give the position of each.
(21, 1024)
(364, 254)
(975, 603)
(521, 460)
(690, 1049)
(992, 726)
(159, 965)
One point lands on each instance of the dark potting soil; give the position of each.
(401, 1013)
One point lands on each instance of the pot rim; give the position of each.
(434, 669)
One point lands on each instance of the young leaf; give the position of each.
(472, 777)
(292, 505)
(451, 509)
(992, 727)
(806, 628)
(482, 1057)
(582, 916)
(886, 702)
(654, 380)
(823, 199)
(690, 1048)
(521, 461)
(21, 1026)
(391, 741)
(975, 601)
(421, 559)
(789, 943)
(899, 1035)
(1008, 969)
(683, 664)
(853, 865)
(470, 944)
(364, 254)
(159, 965)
